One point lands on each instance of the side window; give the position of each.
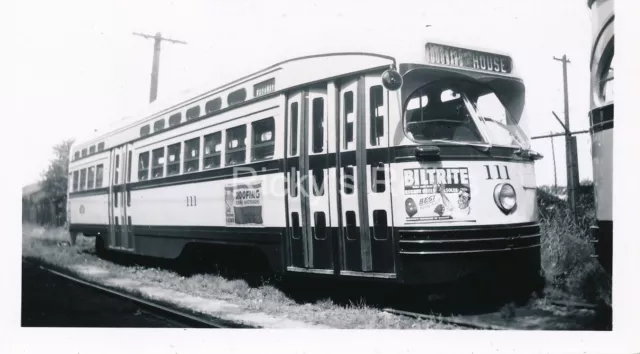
(320, 229)
(158, 125)
(349, 120)
(99, 174)
(236, 146)
(83, 179)
(237, 96)
(294, 128)
(213, 105)
(378, 178)
(76, 155)
(100, 147)
(376, 115)
(348, 180)
(75, 181)
(116, 179)
(295, 223)
(157, 159)
(92, 176)
(143, 166)
(193, 112)
(264, 138)
(92, 150)
(380, 224)
(173, 159)
(175, 119)
(145, 130)
(129, 158)
(293, 182)
(318, 181)
(212, 150)
(351, 228)
(318, 124)
(84, 152)
(192, 155)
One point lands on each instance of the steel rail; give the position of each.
(172, 314)
(445, 319)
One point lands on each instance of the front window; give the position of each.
(461, 112)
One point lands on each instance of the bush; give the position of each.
(566, 249)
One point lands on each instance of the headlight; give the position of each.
(505, 197)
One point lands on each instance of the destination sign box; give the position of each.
(467, 58)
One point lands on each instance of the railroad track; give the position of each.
(460, 322)
(178, 317)
(497, 320)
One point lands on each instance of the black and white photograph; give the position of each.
(372, 176)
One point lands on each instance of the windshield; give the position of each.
(461, 112)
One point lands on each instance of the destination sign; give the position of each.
(467, 58)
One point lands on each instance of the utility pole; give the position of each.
(571, 151)
(156, 60)
(555, 175)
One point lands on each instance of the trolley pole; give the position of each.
(156, 60)
(572, 173)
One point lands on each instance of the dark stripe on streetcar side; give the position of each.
(407, 154)
(256, 168)
(90, 192)
(256, 235)
(602, 127)
(449, 153)
(429, 241)
(374, 156)
(601, 118)
(89, 229)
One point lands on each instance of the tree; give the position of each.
(55, 180)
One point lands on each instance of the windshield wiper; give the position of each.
(481, 146)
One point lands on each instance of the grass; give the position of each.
(570, 270)
(52, 246)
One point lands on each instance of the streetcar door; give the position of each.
(119, 197)
(353, 253)
(363, 192)
(295, 241)
(377, 170)
(310, 240)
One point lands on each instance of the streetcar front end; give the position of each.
(464, 187)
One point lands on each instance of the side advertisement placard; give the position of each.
(243, 204)
(437, 194)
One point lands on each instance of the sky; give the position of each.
(81, 68)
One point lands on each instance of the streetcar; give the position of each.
(408, 165)
(601, 122)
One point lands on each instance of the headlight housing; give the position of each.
(505, 197)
